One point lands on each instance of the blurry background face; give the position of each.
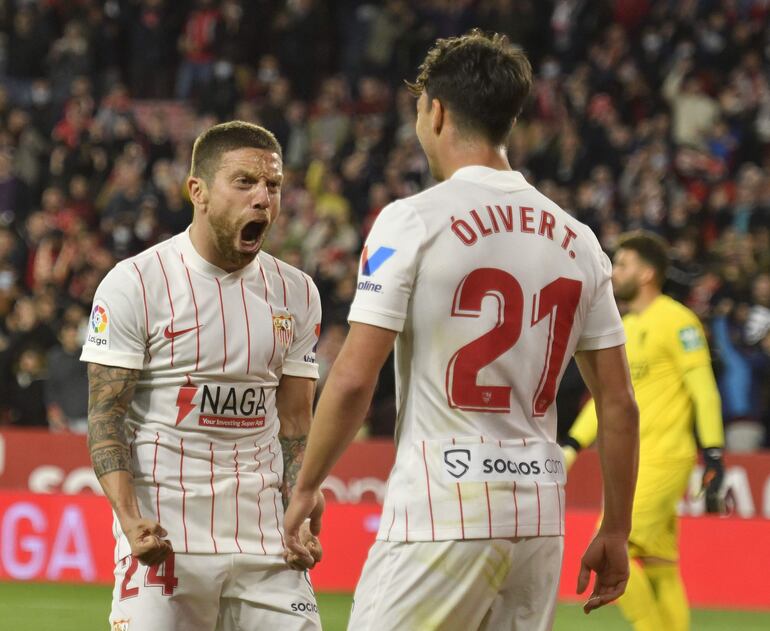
(627, 269)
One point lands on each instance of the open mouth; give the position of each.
(251, 234)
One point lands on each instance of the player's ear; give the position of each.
(437, 114)
(649, 276)
(199, 192)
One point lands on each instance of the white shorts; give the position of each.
(492, 584)
(207, 592)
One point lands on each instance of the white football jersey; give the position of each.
(492, 288)
(203, 427)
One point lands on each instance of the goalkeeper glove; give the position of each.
(571, 448)
(713, 479)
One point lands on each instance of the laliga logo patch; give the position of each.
(458, 461)
(283, 328)
(370, 264)
(99, 319)
(120, 625)
(99, 327)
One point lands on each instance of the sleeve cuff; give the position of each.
(375, 318)
(300, 369)
(113, 358)
(609, 340)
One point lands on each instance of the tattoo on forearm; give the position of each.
(110, 392)
(293, 453)
(110, 458)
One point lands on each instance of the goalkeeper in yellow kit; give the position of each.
(677, 394)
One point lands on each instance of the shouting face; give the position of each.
(239, 204)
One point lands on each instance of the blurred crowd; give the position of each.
(644, 114)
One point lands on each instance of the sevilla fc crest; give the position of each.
(283, 328)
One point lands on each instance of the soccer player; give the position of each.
(201, 375)
(486, 287)
(675, 388)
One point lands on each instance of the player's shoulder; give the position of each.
(674, 312)
(150, 256)
(137, 269)
(295, 278)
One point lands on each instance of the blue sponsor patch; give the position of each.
(370, 264)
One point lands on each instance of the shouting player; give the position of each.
(487, 288)
(675, 387)
(201, 374)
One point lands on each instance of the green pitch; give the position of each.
(52, 607)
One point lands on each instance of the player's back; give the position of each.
(502, 287)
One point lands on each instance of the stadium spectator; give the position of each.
(197, 46)
(652, 115)
(66, 389)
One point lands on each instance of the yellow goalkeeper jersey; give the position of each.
(664, 344)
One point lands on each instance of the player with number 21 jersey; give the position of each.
(486, 332)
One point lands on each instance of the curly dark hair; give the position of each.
(481, 78)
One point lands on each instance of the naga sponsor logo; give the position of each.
(304, 606)
(222, 406)
(367, 285)
(458, 461)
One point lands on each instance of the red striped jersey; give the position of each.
(492, 288)
(211, 347)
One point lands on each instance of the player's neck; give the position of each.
(465, 155)
(644, 299)
(205, 247)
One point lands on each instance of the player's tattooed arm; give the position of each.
(293, 453)
(110, 390)
(294, 400)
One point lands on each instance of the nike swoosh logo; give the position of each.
(170, 335)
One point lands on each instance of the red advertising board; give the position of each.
(42, 462)
(55, 526)
(68, 538)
